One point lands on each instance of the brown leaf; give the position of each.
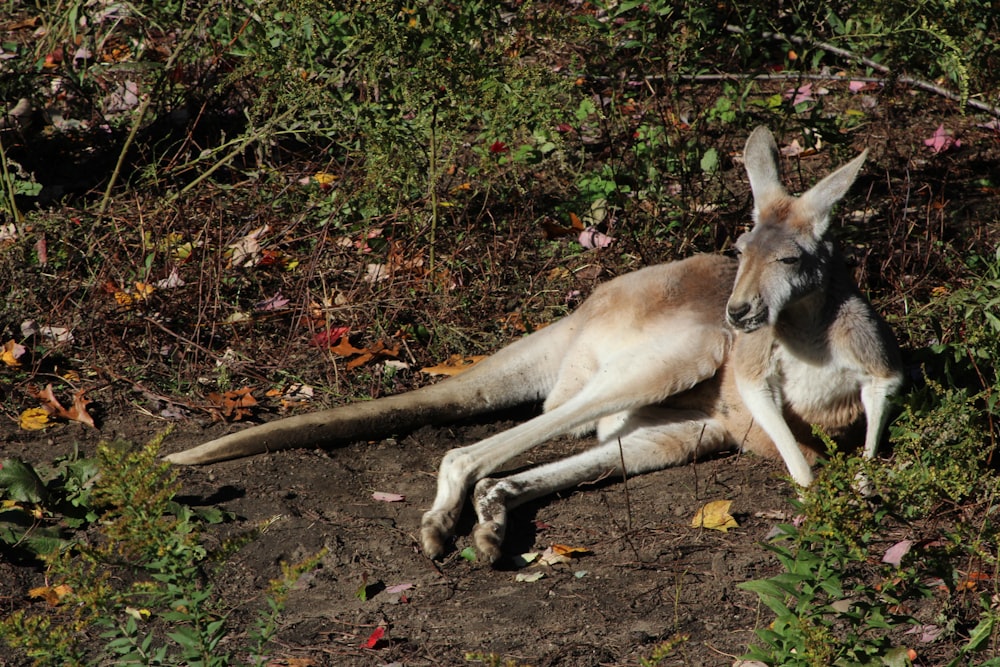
(51, 405)
(78, 412)
(234, 404)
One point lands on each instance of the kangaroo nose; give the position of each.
(737, 311)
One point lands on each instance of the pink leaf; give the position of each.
(276, 302)
(928, 633)
(857, 86)
(388, 497)
(941, 140)
(399, 588)
(590, 238)
(894, 554)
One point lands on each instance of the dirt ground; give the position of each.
(649, 576)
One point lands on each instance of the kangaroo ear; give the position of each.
(820, 198)
(760, 157)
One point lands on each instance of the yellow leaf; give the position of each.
(10, 352)
(124, 299)
(715, 516)
(143, 290)
(324, 178)
(35, 419)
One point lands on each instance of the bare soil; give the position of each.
(648, 576)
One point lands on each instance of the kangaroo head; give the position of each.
(785, 256)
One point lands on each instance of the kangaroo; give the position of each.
(665, 364)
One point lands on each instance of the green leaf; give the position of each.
(710, 161)
(21, 481)
(469, 554)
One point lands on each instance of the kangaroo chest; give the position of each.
(824, 391)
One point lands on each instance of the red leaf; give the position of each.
(374, 638)
(329, 337)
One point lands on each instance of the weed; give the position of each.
(134, 591)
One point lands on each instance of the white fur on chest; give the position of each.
(810, 388)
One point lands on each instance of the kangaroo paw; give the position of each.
(488, 538)
(436, 530)
(490, 499)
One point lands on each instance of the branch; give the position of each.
(868, 62)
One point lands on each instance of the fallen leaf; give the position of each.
(11, 352)
(329, 337)
(8, 235)
(374, 638)
(247, 251)
(171, 281)
(894, 554)
(78, 412)
(453, 365)
(398, 588)
(276, 302)
(388, 497)
(715, 516)
(591, 239)
(942, 140)
(35, 419)
(51, 594)
(560, 553)
(469, 554)
(529, 577)
(234, 404)
(376, 351)
(54, 408)
(928, 633)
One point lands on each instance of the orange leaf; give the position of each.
(453, 365)
(235, 404)
(378, 350)
(575, 221)
(51, 594)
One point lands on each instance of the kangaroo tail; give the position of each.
(519, 373)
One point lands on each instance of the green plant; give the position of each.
(41, 506)
(827, 609)
(134, 591)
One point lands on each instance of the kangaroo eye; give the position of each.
(789, 260)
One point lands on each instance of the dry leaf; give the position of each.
(560, 553)
(529, 576)
(454, 365)
(35, 419)
(51, 594)
(11, 352)
(715, 516)
(377, 351)
(53, 407)
(234, 404)
(388, 497)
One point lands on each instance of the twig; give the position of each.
(868, 62)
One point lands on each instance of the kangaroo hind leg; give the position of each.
(673, 364)
(646, 439)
